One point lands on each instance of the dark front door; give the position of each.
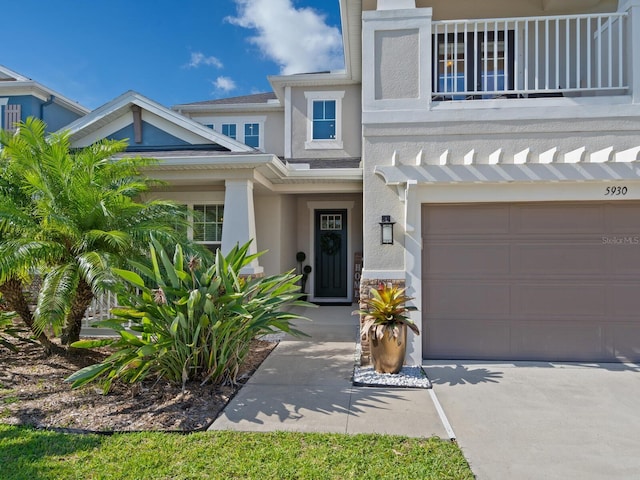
(331, 254)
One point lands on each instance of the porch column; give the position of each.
(633, 46)
(239, 224)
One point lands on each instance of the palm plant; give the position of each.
(70, 215)
(193, 321)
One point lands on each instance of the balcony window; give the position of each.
(474, 62)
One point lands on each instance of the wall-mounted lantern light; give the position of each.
(386, 230)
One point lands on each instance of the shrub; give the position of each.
(192, 322)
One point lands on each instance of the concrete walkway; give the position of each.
(305, 386)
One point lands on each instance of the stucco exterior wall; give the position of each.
(276, 232)
(430, 141)
(351, 123)
(397, 76)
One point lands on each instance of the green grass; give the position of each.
(30, 454)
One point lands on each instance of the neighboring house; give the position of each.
(21, 97)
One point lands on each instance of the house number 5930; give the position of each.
(616, 191)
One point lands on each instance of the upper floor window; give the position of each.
(324, 120)
(229, 129)
(207, 225)
(210, 125)
(252, 134)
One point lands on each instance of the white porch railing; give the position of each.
(100, 309)
(530, 56)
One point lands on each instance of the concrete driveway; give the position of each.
(542, 420)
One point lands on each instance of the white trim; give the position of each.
(332, 144)
(123, 104)
(103, 132)
(12, 88)
(288, 140)
(331, 205)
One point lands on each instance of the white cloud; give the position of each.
(199, 58)
(298, 39)
(224, 84)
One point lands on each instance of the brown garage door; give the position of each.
(532, 281)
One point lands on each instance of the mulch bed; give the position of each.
(33, 392)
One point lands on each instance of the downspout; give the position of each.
(52, 99)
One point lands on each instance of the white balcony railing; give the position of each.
(531, 56)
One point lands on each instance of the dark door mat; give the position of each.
(409, 377)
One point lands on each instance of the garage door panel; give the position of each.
(545, 218)
(468, 258)
(624, 300)
(480, 337)
(467, 298)
(624, 345)
(558, 300)
(569, 341)
(557, 259)
(566, 288)
(623, 259)
(623, 220)
(475, 220)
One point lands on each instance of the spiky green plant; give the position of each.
(190, 321)
(385, 310)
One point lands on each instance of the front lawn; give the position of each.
(32, 454)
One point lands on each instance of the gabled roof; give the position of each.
(7, 75)
(13, 83)
(259, 102)
(106, 115)
(255, 98)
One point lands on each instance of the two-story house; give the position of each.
(21, 97)
(498, 140)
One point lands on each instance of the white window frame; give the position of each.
(239, 122)
(260, 135)
(190, 229)
(329, 144)
(235, 124)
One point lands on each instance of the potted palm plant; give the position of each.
(385, 323)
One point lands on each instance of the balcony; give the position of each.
(531, 57)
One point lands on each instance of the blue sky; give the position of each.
(173, 51)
